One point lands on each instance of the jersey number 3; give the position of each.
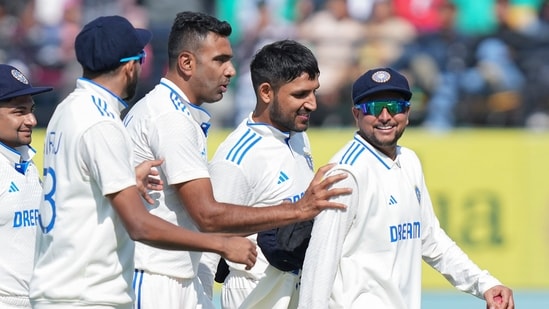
(48, 198)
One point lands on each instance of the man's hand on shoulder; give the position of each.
(318, 194)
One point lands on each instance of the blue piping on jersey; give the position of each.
(351, 155)
(11, 149)
(205, 126)
(190, 103)
(287, 134)
(126, 121)
(107, 90)
(245, 140)
(267, 125)
(287, 141)
(138, 273)
(15, 156)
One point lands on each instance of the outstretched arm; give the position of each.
(154, 231)
(444, 255)
(212, 216)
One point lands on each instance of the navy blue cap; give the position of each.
(14, 84)
(107, 39)
(381, 79)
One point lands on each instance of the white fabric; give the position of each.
(85, 255)
(164, 125)
(20, 195)
(159, 291)
(266, 167)
(236, 288)
(278, 290)
(369, 256)
(206, 271)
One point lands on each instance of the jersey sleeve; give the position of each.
(179, 140)
(324, 252)
(230, 184)
(107, 154)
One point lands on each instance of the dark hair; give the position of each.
(189, 29)
(281, 62)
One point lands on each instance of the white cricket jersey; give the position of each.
(85, 255)
(165, 125)
(369, 255)
(20, 195)
(259, 165)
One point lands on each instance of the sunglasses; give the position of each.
(375, 108)
(140, 57)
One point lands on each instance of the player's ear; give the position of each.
(266, 93)
(128, 69)
(356, 113)
(185, 62)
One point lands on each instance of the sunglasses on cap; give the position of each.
(375, 108)
(140, 57)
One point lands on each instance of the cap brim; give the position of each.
(144, 36)
(27, 91)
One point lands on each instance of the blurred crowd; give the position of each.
(471, 63)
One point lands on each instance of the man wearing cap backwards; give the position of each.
(170, 123)
(369, 256)
(91, 209)
(20, 187)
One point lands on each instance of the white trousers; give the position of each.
(153, 291)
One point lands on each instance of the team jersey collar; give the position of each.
(390, 163)
(18, 156)
(199, 114)
(112, 99)
(267, 129)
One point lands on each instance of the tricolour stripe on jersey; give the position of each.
(244, 144)
(355, 150)
(352, 153)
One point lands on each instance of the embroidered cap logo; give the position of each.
(19, 76)
(381, 77)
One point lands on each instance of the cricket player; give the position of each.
(170, 123)
(20, 187)
(370, 255)
(91, 212)
(269, 159)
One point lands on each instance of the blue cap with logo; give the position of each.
(105, 40)
(14, 84)
(381, 79)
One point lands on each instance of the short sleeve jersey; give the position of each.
(20, 195)
(164, 125)
(259, 165)
(84, 255)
